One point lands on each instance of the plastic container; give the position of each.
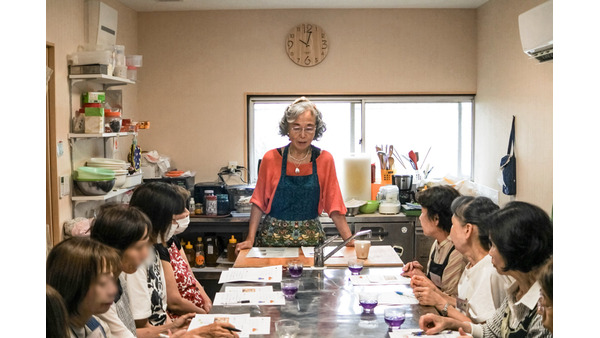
(199, 262)
(120, 71)
(103, 57)
(79, 121)
(132, 73)
(134, 60)
(231, 249)
(210, 203)
(112, 121)
(190, 253)
(119, 55)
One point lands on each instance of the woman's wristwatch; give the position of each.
(444, 311)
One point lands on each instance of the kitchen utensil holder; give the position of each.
(386, 176)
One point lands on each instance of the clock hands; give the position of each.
(307, 40)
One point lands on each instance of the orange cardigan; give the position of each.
(270, 172)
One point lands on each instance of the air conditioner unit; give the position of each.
(535, 27)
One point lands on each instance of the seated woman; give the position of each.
(521, 236)
(147, 286)
(83, 271)
(57, 323)
(184, 292)
(545, 302)
(481, 289)
(445, 263)
(127, 230)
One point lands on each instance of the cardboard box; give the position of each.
(94, 120)
(93, 97)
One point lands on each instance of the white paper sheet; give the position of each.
(249, 298)
(379, 280)
(309, 251)
(248, 325)
(268, 274)
(411, 333)
(272, 252)
(392, 298)
(245, 289)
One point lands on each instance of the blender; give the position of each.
(405, 191)
(388, 200)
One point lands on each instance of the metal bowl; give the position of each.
(352, 211)
(95, 188)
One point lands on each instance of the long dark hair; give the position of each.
(160, 202)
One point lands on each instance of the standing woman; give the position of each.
(83, 271)
(295, 184)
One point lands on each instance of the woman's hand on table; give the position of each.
(206, 302)
(243, 245)
(427, 296)
(421, 281)
(413, 268)
(212, 330)
(183, 321)
(432, 324)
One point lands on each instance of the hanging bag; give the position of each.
(508, 165)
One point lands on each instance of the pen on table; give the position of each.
(233, 329)
(400, 293)
(239, 302)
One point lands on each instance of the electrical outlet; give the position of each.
(64, 185)
(232, 165)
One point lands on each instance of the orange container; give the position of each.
(386, 177)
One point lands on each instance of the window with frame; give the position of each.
(438, 128)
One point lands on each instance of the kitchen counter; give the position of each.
(379, 255)
(326, 305)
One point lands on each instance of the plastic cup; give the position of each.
(368, 301)
(287, 328)
(394, 317)
(295, 269)
(362, 248)
(355, 266)
(289, 287)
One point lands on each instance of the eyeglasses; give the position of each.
(298, 130)
(542, 304)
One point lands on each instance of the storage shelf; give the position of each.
(83, 135)
(111, 194)
(103, 79)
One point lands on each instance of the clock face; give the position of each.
(307, 45)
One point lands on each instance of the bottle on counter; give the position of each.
(199, 263)
(199, 208)
(210, 204)
(231, 249)
(189, 252)
(192, 207)
(212, 252)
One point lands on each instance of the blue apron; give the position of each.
(294, 217)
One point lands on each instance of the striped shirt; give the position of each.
(517, 312)
(454, 269)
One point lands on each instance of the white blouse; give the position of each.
(483, 288)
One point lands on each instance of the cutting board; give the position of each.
(379, 256)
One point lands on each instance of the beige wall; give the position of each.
(509, 83)
(198, 65)
(64, 28)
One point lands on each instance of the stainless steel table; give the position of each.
(326, 305)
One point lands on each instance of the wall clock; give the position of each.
(307, 45)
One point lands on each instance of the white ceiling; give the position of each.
(191, 5)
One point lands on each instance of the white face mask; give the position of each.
(169, 234)
(182, 224)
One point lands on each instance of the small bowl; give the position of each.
(120, 180)
(369, 208)
(95, 188)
